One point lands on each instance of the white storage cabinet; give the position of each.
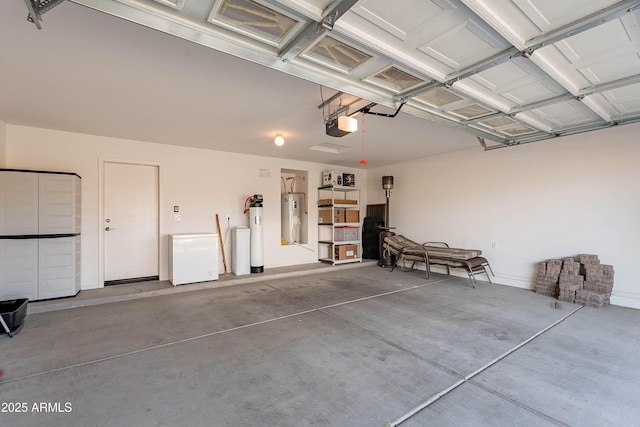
(39, 234)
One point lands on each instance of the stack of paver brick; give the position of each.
(570, 280)
(598, 283)
(548, 275)
(584, 281)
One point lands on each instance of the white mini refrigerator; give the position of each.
(193, 258)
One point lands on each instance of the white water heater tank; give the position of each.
(291, 225)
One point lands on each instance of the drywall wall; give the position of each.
(201, 182)
(526, 204)
(3, 144)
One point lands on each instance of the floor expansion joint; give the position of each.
(467, 378)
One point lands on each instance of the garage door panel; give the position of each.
(564, 115)
(401, 19)
(550, 14)
(472, 41)
(518, 82)
(623, 101)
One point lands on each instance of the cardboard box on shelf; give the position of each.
(330, 178)
(339, 215)
(346, 215)
(348, 180)
(342, 252)
(324, 216)
(337, 202)
(351, 215)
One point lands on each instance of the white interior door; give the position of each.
(130, 222)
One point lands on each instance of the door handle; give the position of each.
(108, 229)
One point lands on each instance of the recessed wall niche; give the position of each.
(294, 206)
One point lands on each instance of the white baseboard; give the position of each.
(622, 299)
(515, 281)
(498, 279)
(626, 299)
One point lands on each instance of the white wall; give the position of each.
(201, 182)
(548, 199)
(3, 144)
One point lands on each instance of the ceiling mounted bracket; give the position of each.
(329, 21)
(333, 115)
(314, 31)
(37, 8)
(331, 99)
(504, 143)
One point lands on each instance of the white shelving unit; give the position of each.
(339, 225)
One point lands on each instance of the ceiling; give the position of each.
(464, 73)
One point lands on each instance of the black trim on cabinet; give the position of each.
(36, 171)
(38, 236)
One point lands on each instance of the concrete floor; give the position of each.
(356, 346)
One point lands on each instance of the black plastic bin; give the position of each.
(13, 313)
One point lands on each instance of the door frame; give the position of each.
(101, 183)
